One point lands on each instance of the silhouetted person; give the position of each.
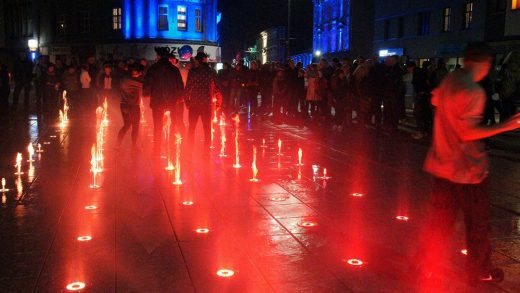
(131, 86)
(5, 89)
(163, 82)
(201, 90)
(22, 76)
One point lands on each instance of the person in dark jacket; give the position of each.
(163, 83)
(51, 84)
(422, 104)
(201, 90)
(22, 76)
(130, 89)
(393, 80)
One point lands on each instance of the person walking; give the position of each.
(393, 85)
(50, 89)
(70, 83)
(422, 103)
(131, 86)
(458, 162)
(163, 83)
(22, 76)
(313, 96)
(201, 92)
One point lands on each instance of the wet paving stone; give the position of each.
(219, 232)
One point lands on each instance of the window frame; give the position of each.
(198, 20)
(182, 18)
(117, 18)
(468, 15)
(423, 23)
(162, 18)
(446, 19)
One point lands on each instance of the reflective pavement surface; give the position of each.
(353, 229)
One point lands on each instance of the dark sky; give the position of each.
(242, 20)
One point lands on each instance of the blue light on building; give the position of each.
(331, 26)
(187, 20)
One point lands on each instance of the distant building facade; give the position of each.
(271, 45)
(69, 30)
(442, 28)
(343, 27)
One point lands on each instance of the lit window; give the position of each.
(446, 20)
(468, 15)
(515, 5)
(116, 18)
(198, 20)
(163, 18)
(84, 22)
(181, 18)
(62, 24)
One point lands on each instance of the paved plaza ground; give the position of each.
(289, 232)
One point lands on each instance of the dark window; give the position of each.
(387, 30)
(468, 15)
(181, 18)
(198, 20)
(400, 29)
(423, 23)
(84, 25)
(446, 19)
(62, 24)
(163, 18)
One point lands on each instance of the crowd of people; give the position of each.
(365, 91)
(370, 92)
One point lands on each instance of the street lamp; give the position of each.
(33, 45)
(317, 53)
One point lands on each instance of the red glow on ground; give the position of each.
(464, 251)
(91, 207)
(84, 238)
(202, 230)
(187, 203)
(354, 262)
(225, 273)
(75, 286)
(402, 218)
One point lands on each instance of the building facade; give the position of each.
(442, 28)
(271, 45)
(71, 30)
(343, 27)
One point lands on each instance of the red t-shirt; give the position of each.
(459, 103)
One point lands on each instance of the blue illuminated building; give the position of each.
(342, 27)
(186, 20)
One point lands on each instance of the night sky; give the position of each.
(243, 20)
